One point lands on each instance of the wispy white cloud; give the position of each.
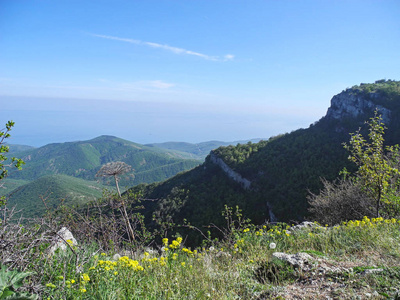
(175, 50)
(229, 57)
(149, 85)
(160, 84)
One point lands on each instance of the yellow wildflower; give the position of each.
(85, 277)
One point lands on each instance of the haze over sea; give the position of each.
(156, 71)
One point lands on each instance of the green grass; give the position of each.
(238, 267)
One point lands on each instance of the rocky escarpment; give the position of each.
(228, 171)
(353, 104)
(245, 183)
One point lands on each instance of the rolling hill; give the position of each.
(199, 150)
(84, 158)
(53, 190)
(67, 170)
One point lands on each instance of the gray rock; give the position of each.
(299, 260)
(352, 104)
(303, 225)
(371, 271)
(61, 239)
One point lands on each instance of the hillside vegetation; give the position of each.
(230, 256)
(196, 151)
(51, 191)
(83, 160)
(282, 170)
(359, 259)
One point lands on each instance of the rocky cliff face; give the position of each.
(350, 103)
(228, 171)
(246, 184)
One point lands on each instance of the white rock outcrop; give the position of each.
(352, 104)
(61, 239)
(298, 260)
(228, 171)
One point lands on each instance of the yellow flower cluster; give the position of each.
(85, 277)
(370, 222)
(126, 262)
(237, 246)
(190, 253)
(165, 242)
(107, 264)
(163, 261)
(176, 243)
(69, 283)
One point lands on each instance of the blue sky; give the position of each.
(154, 71)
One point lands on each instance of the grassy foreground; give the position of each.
(239, 267)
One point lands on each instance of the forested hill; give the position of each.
(281, 171)
(199, 150)
(84, 158)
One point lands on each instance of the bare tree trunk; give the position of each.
(124, 213)
(127, 223)
(116, 184)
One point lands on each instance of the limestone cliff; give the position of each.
(353, 103)
(245, 183)
(228, 171)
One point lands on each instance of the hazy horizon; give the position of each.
(190, 71)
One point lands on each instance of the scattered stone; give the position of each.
(299, 260)
(222, 254)
(371, 271)
(61, 239)
(303, 225)
(116, 257)
(151, 251)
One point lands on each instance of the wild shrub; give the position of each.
(373, 188)
(338, 201)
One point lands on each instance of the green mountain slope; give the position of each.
(14, 149)
(8, 185)
(83, 159)
(199, 150)
(55, 189)
(278, 173)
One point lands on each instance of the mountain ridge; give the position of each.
(282, 170)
